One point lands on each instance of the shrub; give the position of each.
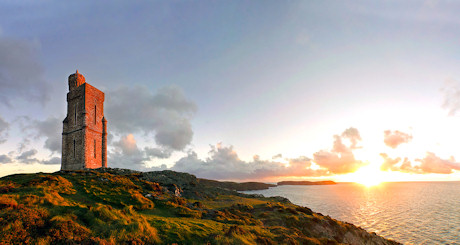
(304, 210)
(187, 212)
(235, 230)
(30, 200)
(6, 188)
(6, 202)
(22, 225)
(144, 203)
(64, 230)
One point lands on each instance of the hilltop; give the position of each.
(119, 206)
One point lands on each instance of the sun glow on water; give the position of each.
(368, 176)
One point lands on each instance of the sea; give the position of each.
(407, 212)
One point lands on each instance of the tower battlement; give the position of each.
(84, 134)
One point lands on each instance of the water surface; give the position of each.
(408, 212)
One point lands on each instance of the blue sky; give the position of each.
(262, 77)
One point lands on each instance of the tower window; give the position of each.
(75, 114)
(74, 149)
(95, 114)
(94, 148)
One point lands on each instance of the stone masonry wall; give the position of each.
(94, 104)
(73, 134)
(83, 129)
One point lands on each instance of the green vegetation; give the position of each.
(116, 206)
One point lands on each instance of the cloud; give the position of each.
(353, 135)
(434, 164)
(53, 160)
(451, 100)
(126, 154)
(4, 126)
(127, 144)
(277, 156)
(430, 164)
(224, 163)
(337, 163)
(166, 114)
(27, 157)
(5, 159)
(340, 159)
(394, 138)
(50, 128)
(406, 167)
(389, 163)
(21, 75)
(157, 152)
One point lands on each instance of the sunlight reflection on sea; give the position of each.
(408, 212)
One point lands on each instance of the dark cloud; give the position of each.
(28, 157)
(53, 160)
(5, 159)
(165, 114)
(21, 75)
(224, 163)
(394, 138)
(4, 126)
(157, 152)
(126, 154)
(340, 159)
(50, 129)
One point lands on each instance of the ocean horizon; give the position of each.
(418, 212)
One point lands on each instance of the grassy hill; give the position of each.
(117, 206)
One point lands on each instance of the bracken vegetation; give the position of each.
(117, 206)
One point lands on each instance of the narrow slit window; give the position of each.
(94, 148)
(74, 148)
(75, 114)
(95, 114)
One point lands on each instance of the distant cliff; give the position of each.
(119, 206)
(244, 186)
(326, 182)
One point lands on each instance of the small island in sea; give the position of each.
(325, 182)
(121, 206)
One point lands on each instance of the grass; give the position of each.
(92, 207)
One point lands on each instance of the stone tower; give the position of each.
(84, 134)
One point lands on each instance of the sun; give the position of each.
(367, 176)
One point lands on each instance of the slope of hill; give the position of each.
(117, 206)
(325, 182)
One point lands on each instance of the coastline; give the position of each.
(92, 203)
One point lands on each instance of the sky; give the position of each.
(240, 90)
